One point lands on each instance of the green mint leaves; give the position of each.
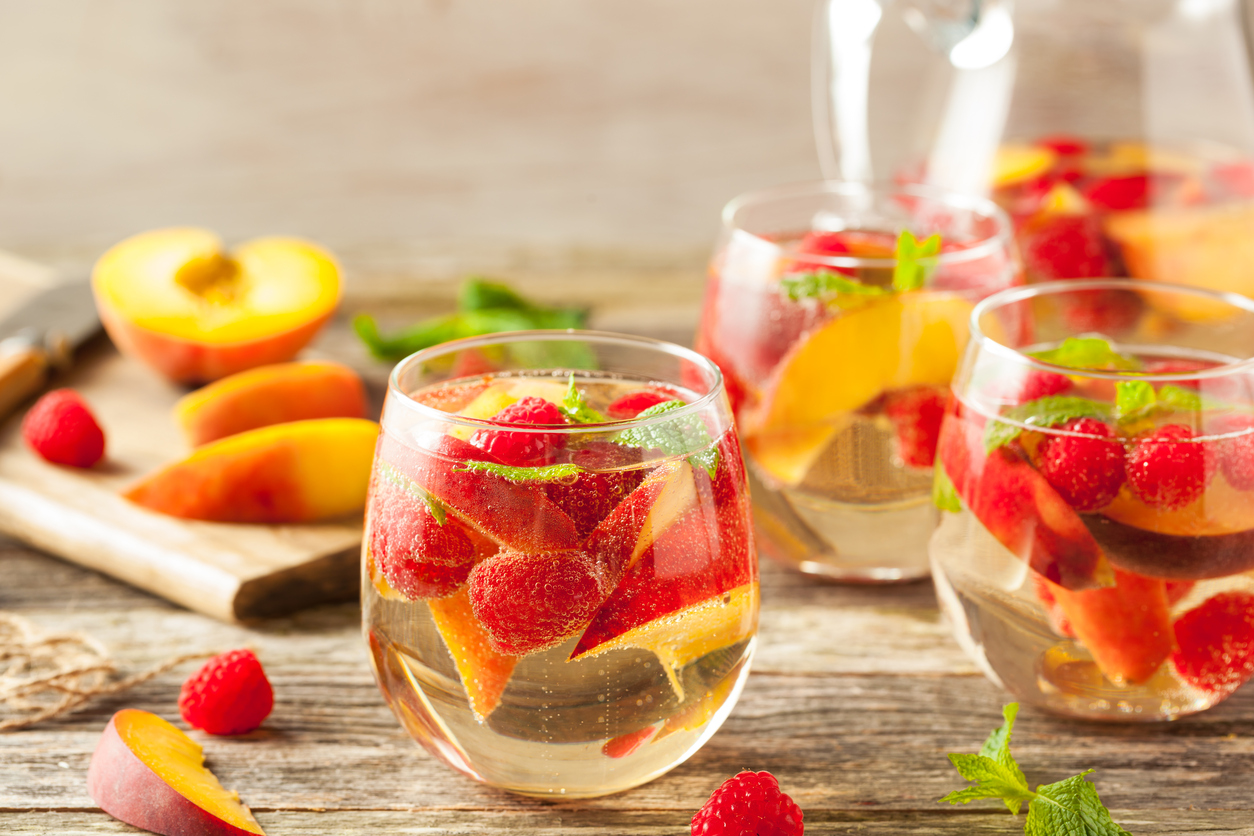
(548, 473)
(575, 407)
(483, 307)
(1065, 808)
(1087, 353)
(827, 286)
(909, 273)
(674, 438)
(944, 494)
(1050, 411)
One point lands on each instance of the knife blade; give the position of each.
(41, 336)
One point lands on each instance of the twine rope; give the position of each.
(46, 675)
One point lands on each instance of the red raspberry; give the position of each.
(1167, 469)
(749, 804)
(1087, 472)
(1236, 454)
(61, 429)
(1216, 643)
(592, 496)
(419, 557)
(633, 403)
(229, 695)
(916, 417)
(1036, 384)
(523, 448)
(1119, 194)
(1065, 247)
(1110, 312)
(529, 602)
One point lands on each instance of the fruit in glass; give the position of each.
(837, 336)
(1097, 530)
(559, 576)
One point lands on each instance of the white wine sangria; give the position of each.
(1096, 547)
(559, 576)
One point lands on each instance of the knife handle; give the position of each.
(23, 369)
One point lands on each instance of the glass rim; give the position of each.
(555, 335)
(1022, 293)
(999, 240)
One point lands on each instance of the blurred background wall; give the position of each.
(419, 139)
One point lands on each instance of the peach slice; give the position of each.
(287, 473)
(910, 339)
(484, 670)
(1203, 247)
(149, 774)
(268, 395)
(178, 301)
(1016, 163)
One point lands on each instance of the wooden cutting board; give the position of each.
(232, 572)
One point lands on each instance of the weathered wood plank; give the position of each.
(556, 820)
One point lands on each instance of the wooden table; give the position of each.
(855, 697)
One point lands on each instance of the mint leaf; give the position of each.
(674, 438)
(825, 285)
(1133, 396)
(1180, 398)
(1087, 353)
(1070, 807)
(548, 473)
(575, 407)
(909, 274)
(437, 509)
(994, 769)
(944, 495)
(1050, 411)
(478, 294)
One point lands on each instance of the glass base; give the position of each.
(844, 542)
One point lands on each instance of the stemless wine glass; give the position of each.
(1095, 550)
(837, 357)
(559, 577)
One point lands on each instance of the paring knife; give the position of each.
(41, 336)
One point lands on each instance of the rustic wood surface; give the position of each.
(856, 695)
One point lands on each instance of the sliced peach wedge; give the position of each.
(907, 339)
(177, 300)
(274, 394)
(484, 671)
(275, 474)
(149, 774)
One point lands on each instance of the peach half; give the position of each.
(269, 395)
(149, 774)
(177, 300)
(287, 473)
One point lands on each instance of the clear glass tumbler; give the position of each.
(560, 588)
(837, 337)
(1097, 539)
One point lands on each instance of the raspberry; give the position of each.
(1110, 312)
(419, 557)
(1236, 454)
(633, 403)
(1087, 472)
(229, 695)
(1166, 469)
(1065, 247)
(1036, 384)
(1119, 194)
(1216, 643)
(61, 429)
(592, 496)
(529, 602)
(523, 448)
(916, 417)
(749, 804)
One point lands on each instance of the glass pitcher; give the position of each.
(1117, 134)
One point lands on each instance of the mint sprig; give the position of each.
(575, 407)
(1050, 411)
(1070, 807)
(909, 273)
(674, 438)
(828, 286)
(944, 494)
(1088, 353)
(547, 473)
